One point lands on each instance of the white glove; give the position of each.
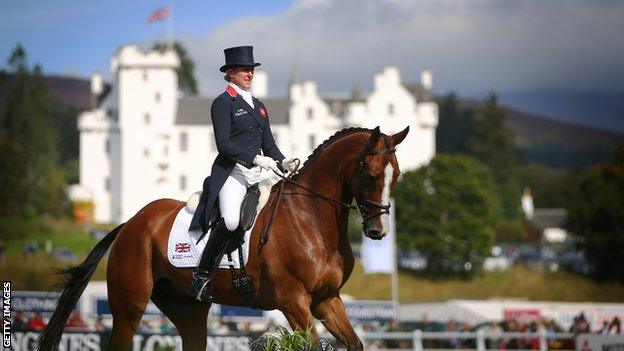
(289, 164)
(266, 163)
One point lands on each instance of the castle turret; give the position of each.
(147, 88)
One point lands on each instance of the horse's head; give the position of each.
(376, 171)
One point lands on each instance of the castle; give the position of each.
(145, 140)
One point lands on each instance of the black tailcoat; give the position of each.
(240, 132)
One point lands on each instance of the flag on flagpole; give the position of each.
(159, 15)
(378, 256)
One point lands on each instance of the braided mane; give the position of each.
(339, 134)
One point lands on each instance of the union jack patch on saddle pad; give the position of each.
(182, 247)
(263, 112)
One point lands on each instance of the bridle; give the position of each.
(359, 172)
(360, 200)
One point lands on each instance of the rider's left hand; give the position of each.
(289, 164)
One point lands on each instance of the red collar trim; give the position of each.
(230, 90)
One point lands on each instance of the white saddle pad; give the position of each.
(184, 250)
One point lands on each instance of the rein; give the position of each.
(264, 236)
(359, 198)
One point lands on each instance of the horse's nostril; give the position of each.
(374, 234)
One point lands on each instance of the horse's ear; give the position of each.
(374, 136)
(398, 137)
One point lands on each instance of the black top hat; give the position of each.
(238, 56)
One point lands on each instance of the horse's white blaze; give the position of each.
(385, 197)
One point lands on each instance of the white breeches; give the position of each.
(232, 194)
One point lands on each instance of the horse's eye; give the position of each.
(369, 178)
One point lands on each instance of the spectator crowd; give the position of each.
(224, 326)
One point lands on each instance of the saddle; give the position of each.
(248, 211)
(249, 207)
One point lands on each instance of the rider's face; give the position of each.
(241, 76)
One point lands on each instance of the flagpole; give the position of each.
(170, 27)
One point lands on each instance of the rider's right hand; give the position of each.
(266, 163)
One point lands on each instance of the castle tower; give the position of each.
(147, 91)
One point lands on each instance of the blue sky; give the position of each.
(80, 36)
(526, 50)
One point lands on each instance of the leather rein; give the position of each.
(359, 197)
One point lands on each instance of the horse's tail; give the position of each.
(75, 281)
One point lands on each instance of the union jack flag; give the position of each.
(159, 15)
(182, 247)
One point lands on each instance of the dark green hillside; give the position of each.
(558, 144)
(554, 143)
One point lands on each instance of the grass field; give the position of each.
(35, 273)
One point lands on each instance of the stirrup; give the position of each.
(201, 288)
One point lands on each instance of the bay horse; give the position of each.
(299, 271)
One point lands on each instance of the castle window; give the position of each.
(157, 97)
(391, 109)
(146, 152)
(107, 183)
(312, 142)
(146, 118)
(166, 150)
(182, 182)
(310, 112)
(183, 141)
(107, 146)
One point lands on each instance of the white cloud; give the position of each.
(471, 46)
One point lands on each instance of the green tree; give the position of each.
(448, 210)
(27, 131)
(186, 72)
(596, 215)
(455, 125)
(494, 144)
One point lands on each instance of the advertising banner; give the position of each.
(86, 341)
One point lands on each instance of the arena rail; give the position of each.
(417, 338)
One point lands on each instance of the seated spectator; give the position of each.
(99, 325)
(36, 323)
(75, 321)
(451, 326)
(615, 327)
(468, 343)
(145, 327)
(510, 326)
(394, 326)
(166, 327)
(19, 322)
(493, 341)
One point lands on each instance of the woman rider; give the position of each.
(246, 145)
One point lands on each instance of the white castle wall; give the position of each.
(145, 160)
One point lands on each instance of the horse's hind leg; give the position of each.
(187, 314)
(331, 312)
(129, 279)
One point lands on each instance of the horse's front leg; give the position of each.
(297, 312)
(331, 312)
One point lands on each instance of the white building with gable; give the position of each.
(146, 141)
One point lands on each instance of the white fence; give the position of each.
(480, 337)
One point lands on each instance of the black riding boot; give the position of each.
(201, 285)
